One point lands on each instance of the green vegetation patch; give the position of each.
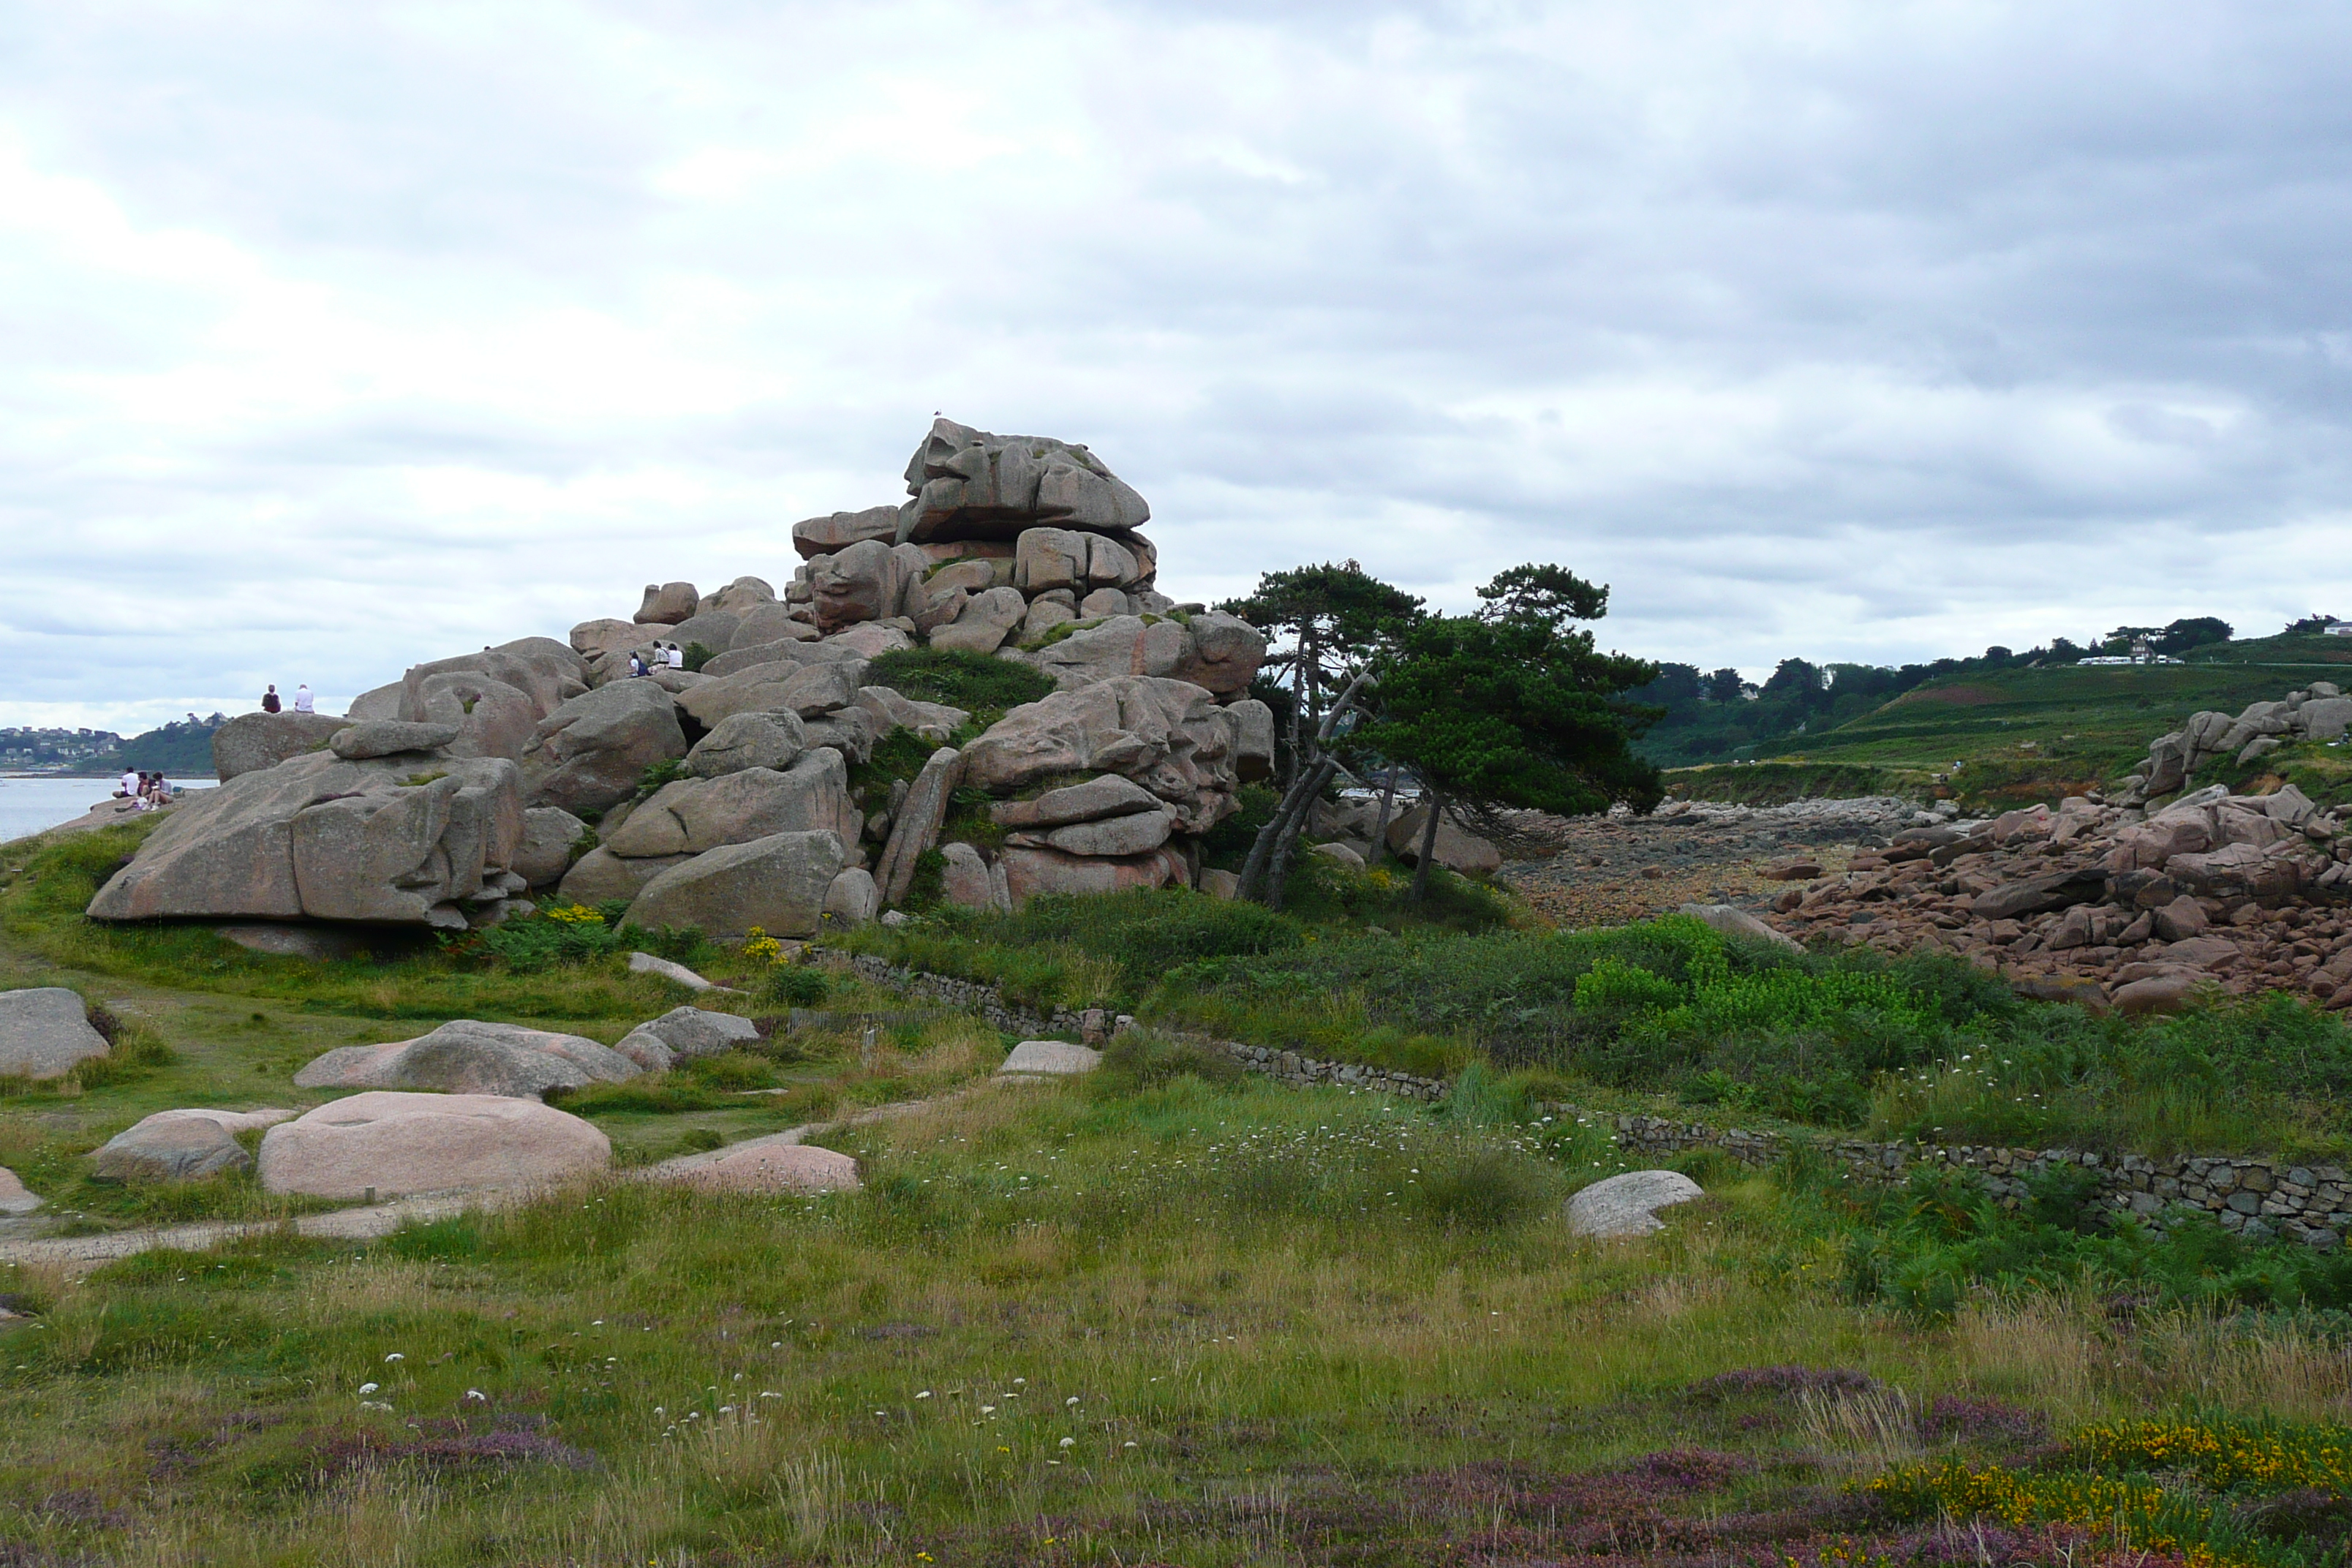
(981, 686)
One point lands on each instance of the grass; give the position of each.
(1173, 1313)
(1171, 1320)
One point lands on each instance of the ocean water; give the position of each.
(28, 805)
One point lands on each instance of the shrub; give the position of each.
(793, 985)
(697, 655)
(657, 774)
(982, 686)
(1139, 1059)
(540, 941)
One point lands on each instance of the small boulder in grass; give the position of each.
(181, 1145)
(14, 1199)
(1628, 1204)
(762, 1167)
(1049, 1058)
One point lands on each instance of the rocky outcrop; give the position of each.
(253, 742)
(550, 836)
(2318, 712)
(386, 1144)
(970, 484)
(45, 1032)
(2110, 904)
(1024, 547)
(739, 740)
(403, 839)
(687, 817)
(1169, 736)
(474, 1058)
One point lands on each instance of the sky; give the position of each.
(338, 337)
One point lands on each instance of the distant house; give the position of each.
(2340, 629)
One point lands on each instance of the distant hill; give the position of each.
(2001, 727)
(183, 747)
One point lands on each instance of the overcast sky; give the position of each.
(337, 336)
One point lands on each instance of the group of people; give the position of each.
(303, 701)
(666, 656)
(146, 791)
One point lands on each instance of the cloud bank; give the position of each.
(336, 338)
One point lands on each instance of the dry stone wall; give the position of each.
(2258, 1198)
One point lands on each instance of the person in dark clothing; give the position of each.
(270, 700)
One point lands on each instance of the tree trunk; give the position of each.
(1436, 804)
(1287, 844)
(1381, 827)
(1271, 851)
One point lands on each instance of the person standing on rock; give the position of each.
(270, 704)
(303, 701)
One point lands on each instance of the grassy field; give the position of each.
(1170, 1314)
(1149, 1318)
(2013, 736)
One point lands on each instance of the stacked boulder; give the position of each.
(2111, 903)
(2319, 712)
(720, 796)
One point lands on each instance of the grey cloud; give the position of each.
(1865, 332)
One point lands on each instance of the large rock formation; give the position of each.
(405, 839)
(588, 754)
(1021, 548)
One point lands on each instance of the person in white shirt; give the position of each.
(129, 782)
(303, 701)
(677, 657)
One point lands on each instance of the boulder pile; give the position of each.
(2319, 712)
(2111, 904)
(474, 786)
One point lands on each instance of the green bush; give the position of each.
(538, 942)
(659, 773)
(982, 686)
(793, 985)
(697, 655)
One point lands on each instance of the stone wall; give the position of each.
(2256, 1196)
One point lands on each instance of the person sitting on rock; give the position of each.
(129, 784)
(636, 665)
(270, 704)
(303, 701)
(677, 657)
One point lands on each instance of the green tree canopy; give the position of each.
(1327, 621)
(1513, 706)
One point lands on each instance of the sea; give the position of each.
(31, 805)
